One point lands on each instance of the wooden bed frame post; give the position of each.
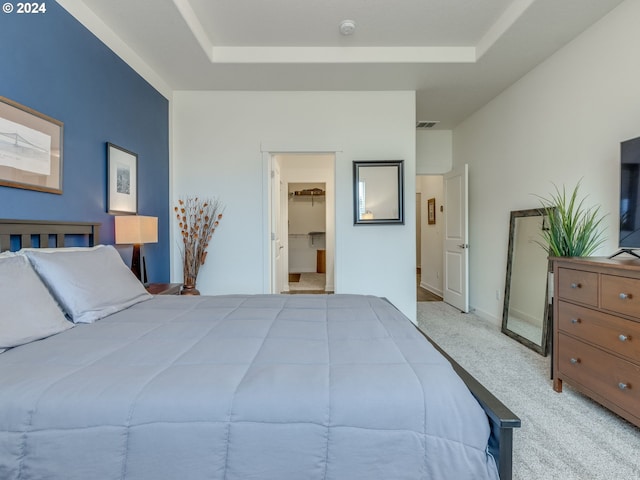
(505, 462)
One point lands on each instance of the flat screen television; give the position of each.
(629, 195)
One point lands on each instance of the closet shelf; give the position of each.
(309, 192)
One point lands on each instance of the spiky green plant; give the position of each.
(572, 229)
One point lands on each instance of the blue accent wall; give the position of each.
(51, 63)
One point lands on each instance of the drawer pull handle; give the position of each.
(575, 320)
(575, 360)
(576, 285)
(623, 338)
(624, 386)
(625, 296)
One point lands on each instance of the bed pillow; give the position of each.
(29, 312)
(89, 283)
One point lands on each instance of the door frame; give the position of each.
(278, 220)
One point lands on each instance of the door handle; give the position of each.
(463, 245)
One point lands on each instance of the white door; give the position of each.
(456, 239)
(277, 247)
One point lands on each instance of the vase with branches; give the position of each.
(197, 219)
(572, 229)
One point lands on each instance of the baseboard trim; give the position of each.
(429, 288)
(487, 316)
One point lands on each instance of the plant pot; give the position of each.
(189, 290)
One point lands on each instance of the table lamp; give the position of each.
(136, 230)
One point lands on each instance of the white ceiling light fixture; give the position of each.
(347, 27)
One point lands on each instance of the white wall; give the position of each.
(434, 151)
(561, 122)
(434, 155)
(219, 145)
(431, 186)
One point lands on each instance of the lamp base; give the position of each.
(137, 261)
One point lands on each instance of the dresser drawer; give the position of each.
(578, 286)
(616, 334)
(620, 294)
(614, 379)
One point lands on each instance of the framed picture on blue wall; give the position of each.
(122, 191)
(30, 148)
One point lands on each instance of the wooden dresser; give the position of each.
(596, 333)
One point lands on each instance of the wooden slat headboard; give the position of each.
(23, 232)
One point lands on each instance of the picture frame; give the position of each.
(122, 190)
(378, 192)
(31, 153)
(431, 211)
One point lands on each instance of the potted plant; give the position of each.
(571, 229)
(198, 220)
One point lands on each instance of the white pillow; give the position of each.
(29, 312)
(89, 283)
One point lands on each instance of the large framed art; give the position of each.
(122, 190)
(30, 148)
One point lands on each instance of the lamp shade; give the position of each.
(136, 229)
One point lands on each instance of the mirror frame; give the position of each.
(543, 348)
(397, 177)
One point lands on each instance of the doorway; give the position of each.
(444, 235)
(302, 212)
(429, 238)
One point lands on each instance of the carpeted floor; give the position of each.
(564, 436)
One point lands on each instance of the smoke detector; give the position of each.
(347, 27)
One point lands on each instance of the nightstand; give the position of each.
(163, 288)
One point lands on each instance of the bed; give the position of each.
(232, 386)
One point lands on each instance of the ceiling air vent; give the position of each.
(426, 124)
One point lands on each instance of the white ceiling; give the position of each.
(456, 54)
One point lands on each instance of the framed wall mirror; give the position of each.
(526, 315)
(378, 192)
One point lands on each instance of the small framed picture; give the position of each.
(431, 211)
(122, 191)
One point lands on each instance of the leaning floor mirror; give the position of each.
(526, 315)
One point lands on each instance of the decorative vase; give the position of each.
(189, 290)
(189, 286)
